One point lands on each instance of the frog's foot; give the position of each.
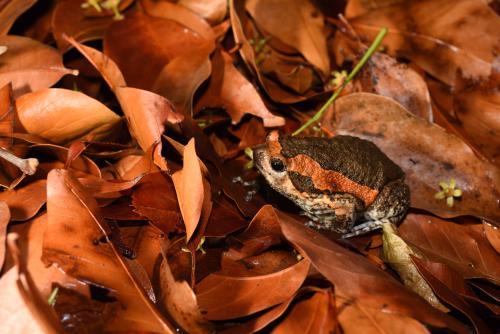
(364, 228)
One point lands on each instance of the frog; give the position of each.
(344, 184)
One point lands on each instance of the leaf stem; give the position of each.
(371, 50)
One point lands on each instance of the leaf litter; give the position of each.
(144, 212)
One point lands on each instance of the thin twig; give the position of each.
(371, 50)
(27, 166)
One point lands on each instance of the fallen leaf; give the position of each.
(68, 18)
(153, 41)
(25, 202)
(425, 32)
(62, 115)
(228, 88)
(298, 24)
(4, 221)
(450, 297)
(22, 309)
(30, 65)
(359, 281)
(213, 11)
(313, 315)
(426, 153)
(70, 208)
(463, 247)
(227, 297)
(399, 256)
(180, 301)
(10, 11)
(7, 114)
(493, 235)
(188, 184)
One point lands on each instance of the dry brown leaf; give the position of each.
(230, 89)
(70, 208)
(297, 23)
(10, 11)
(30, 65)
(463, 247)
(188, 184)
(426, 33)
(213, 11)
(147, 114)
(105, 65)
(426, 152)
(62, 115)
(315, 315)
(68, 18)
(4, 221)
(399, 256)
(358, 280)
(25, 202)
(493, 235)
(226, 297)
(22, 308)
(180, 301)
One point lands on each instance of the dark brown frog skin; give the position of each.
(337, 181)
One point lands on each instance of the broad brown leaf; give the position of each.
(463, 247)
(359, 281)
(493, 235)
(30, 65)
(426, 152)
(230, 89)
(153, 42)
(213, 11)
(7, 113)
(25, 202)
(311, 316)
(226, 297)
(70, 208)
(297, 23)
(426, 33)
(10, 10)
(62, 115)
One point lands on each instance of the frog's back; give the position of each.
(359, 160)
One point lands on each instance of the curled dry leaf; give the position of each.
(10, 11)
(311, 316)
(462, 247)
(227, 297)
(105, 65)
(71, 208)
(25, 202)
(189, 188)
(426, 152)
(399, 256)
(68, 18)
(22, 308)
(228, 88)
(4, 221)
(147, 114)
(297, 23)
(426, 33)
(180, 302)
(62, 115)
(359, 281)
(30, 65)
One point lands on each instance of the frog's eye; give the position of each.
(277, 165)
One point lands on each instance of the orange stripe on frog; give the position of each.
(330, 180)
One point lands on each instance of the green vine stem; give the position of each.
(371, 50)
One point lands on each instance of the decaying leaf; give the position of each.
(398, 254)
